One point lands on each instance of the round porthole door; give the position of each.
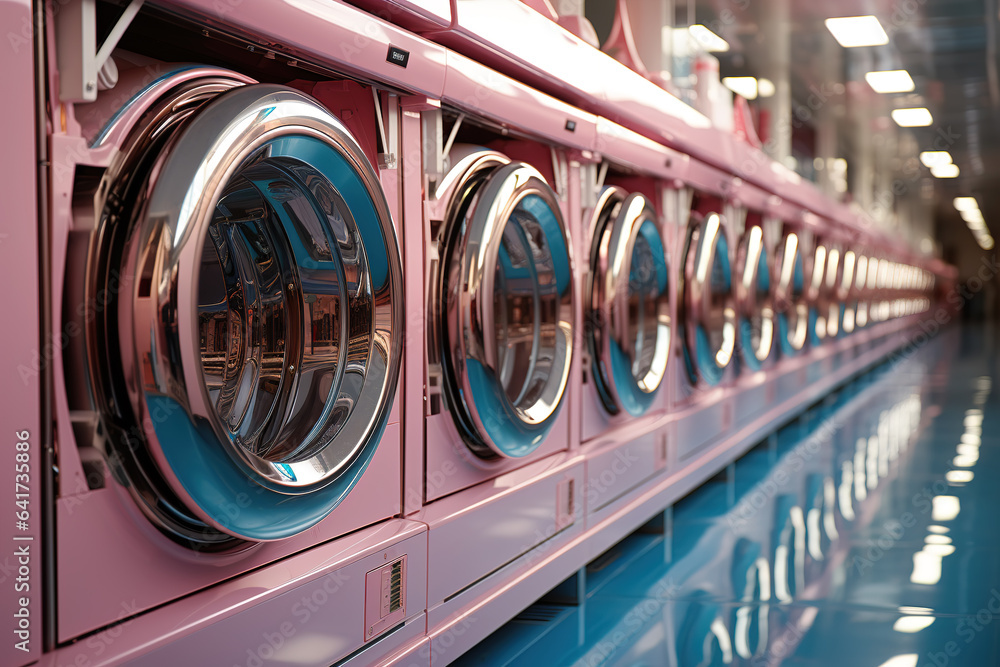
(754, 300)
(629, 320)
(506, 297)
(816, 294)
(848, 306)
(252, 349)
(790, 298)
(709, 305)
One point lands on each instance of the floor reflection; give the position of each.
(862, 534)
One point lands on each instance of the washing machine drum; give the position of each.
(506, 304)
(628, 327)
(249, 353)
(709, 304)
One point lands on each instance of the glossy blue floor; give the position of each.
(865, 533)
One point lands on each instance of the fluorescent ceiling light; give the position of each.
(852, 31)
(926, 568)
(945, 508)
(910, 624)
(987, 243)
(906, 660)
(965, 203)
(935, 158)
(892, 81)
(959, 476)
(918, 117)
(973, 217)
(941, 530)
(945, 171)
(708, 39)
(765, 88)
(745, 86)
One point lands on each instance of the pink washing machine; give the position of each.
(629, 321)
(497, 477)
(753, 282)
(707, 315)
(227, 280)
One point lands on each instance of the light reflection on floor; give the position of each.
(864, 534)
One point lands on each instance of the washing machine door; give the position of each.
(831, 292)
(816, 292)
(710, 310)
(629, 319)
(790, 298)
(507, 308)
(754, 301)
(848, 307)
(258, 323)
(860, 286)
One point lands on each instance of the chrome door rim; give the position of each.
(708, 361)
(792, 334)
(844, 290)
(479, 370)
(817, 313)
(259, 127)
(619, 221)
(753, 279)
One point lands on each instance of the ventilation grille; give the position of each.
(396, 587)
(540, 613)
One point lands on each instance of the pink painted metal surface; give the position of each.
(309, 608)
(26, 355)
(339, 36)
(103, 537)
(422, 16)
(507, 516)
(475, 88)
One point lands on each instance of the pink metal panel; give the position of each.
(102, 537)
(413, 266)
(330, 33)
(710, 418)
(631, 149)
(26, 355)
(616, 469)
(474, 532)
(308, 609)
(422, 16)
(473, 87)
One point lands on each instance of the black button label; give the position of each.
(398, 56)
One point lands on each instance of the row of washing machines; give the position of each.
(345, 347)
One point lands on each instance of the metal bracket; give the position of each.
(387, 159)
(77, 55)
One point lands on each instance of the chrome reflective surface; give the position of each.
(816, 293)
(791, 301)
(507, 293)
(629, 320)
(709, 303)
(846, 292)
(263, 312)
(754, 300)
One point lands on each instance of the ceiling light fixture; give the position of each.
(965, 203)
(765, 88)
(918, 117)
(854, 31)
(932, 159)
(945, 171)
(973, 216)
(745, 86)
(708, 39)
(892, 81)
